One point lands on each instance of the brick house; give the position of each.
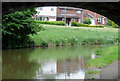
(68, 14)
(96, 19)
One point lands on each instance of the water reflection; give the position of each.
(46, 63)
(65, 69)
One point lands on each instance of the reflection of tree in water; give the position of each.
(16, 64)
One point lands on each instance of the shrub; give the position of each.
(79, 24)
(74, 23)
(109, 22)
(102, 26)
(16, 28)
(86, 25)
(52, 22)
(87, 20)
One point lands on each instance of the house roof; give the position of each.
(70, 8)
(68, 15)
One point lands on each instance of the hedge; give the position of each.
(86, 25)
(52, 22)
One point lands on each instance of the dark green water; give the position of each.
(46, 63)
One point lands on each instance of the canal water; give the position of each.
(46, 63)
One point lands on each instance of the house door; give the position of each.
(103, 21)
(68, 21)
(79, 21)
(93, 22)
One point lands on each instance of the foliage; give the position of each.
(87, 20)
(16, 28)
(75, 36)
(79, 24)
(74, 23)
(109, 22)
(109, 55)
(85, 25)
(101, 26)
(116, 26)
(99, 51)
(113, 24)
(52, 22)
(92, 72)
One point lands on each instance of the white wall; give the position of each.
(46, 11)
(52, 19)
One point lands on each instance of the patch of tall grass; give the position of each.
(60, 36)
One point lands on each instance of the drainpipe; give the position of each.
(65, 14)
(95, 18)
(82, 15)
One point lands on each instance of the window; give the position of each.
(98, 19)
(79, 21)
(40, 8)
(64, 11)
(63, 19)
(106, 19)
(52, 9)
(79, 12)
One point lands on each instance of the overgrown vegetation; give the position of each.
(16, 28)
(85, 25)
(108, 55)
(59, 36)
(52, 22)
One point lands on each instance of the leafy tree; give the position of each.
(16, 28)
(87, 20)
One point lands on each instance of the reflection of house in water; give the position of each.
(70, 64)
(69, 68)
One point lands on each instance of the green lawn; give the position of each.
(62, 35)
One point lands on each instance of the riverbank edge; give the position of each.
(101, 72)
(110, 53)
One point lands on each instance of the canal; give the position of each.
(66, 62)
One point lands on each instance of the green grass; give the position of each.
(62, 35)
(108, 55)
(92, 72)
(108, 26)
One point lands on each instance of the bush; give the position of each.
(74, 23)
(109, 22)
(86, 25)
(102, 26)
(16, 28)
(79, 24)
(52, 22)
(87, 20)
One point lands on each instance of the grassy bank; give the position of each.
(107, 56)
(61, 35)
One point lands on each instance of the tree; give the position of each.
(16, 28)
(87, 20)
